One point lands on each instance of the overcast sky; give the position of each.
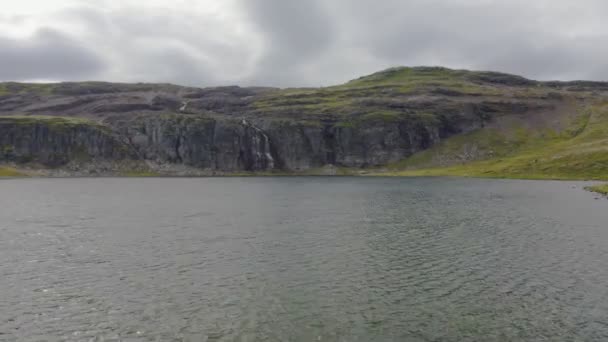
(296, 42)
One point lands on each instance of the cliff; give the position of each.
(381, 121)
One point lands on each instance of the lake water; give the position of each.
(302, 259)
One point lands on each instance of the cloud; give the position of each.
(164, 44)
(295, 33)
(537, 41)
(299, 43)
(48, 54)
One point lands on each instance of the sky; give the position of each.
(287, 43)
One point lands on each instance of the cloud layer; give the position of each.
(297, 43)
(46, 54)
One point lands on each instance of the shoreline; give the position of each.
(8, 173)
(598, 189)
(16, 172)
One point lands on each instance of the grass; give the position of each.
(24, 88)
(141, 174)
(580, 152)
(459, 149)
(48, 120)
(55, 123)
(384, 116)
(411, 79)
(386, 91)
(600, 189)
(407, 74)
(79, 88)
(10, 172)
(431, 97)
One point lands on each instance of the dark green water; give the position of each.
(302, 259)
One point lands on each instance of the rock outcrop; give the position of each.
(54, 142)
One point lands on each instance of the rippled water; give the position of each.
(302, 259)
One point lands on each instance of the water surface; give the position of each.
(302, 259)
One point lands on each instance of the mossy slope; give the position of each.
(600, 189)
(578, 152)
(9, 172)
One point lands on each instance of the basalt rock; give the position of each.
(54, 142)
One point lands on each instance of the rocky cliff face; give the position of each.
(349, 145)
(225, 145)
(56, 141)
(369, 122)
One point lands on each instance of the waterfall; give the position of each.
(269, 158)
(184, 106)
(263, 145)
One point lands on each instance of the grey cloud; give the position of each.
(315, 42)
(164, 45)
(170, 63)
(48, 54)
(295, 28)
(296, 34)
(494, 35)
(311, 44)
(12, 19)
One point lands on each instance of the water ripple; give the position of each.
(301, 259)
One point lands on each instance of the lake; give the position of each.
(302, 259)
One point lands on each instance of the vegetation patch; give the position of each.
(580, 152)
(22, 88)
(47, 120)
(386, 91)
(80, 88)
(10, 172)
(600, 189)
(385, 116)
(137, 174)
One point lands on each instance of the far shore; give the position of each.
(11, 172)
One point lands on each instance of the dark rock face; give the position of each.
(55, 142)
(233, 145)
(223, 145)
(219, 144)
(226, 145)
(301, 147)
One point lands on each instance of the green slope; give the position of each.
(600, 189)
(384, 93)
(578, 151)
(9, 172)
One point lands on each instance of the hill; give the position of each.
(400, 121)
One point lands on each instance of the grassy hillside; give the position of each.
(600, 189)
(400, 83)
(578, 151)
(50, 121)
(9, 172)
